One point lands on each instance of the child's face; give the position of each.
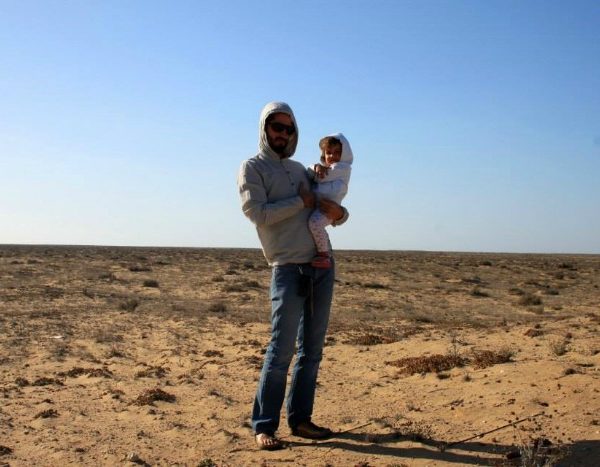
(333, 153)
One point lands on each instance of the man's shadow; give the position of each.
(580, 453)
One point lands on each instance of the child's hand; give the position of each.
(321, 170)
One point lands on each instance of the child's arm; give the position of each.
(317, 172)
(339, 171)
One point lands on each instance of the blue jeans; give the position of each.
(296, 315)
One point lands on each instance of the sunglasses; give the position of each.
(280, 127)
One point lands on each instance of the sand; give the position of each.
(90, 337)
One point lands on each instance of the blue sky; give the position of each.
(475, 125)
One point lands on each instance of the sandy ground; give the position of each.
(423, 349)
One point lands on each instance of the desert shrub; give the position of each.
(88, 293)
(48, 413)
(109, 276)
(558, 347)
(486, 358)
(365, 339)
(129, 305)
(529, 299)
(152, 372)
(473, 280)
(115, 352)
(374, 285)
(108, 335)
(218, 279)
(234, 288)
(45, 381)
(91, 372)
(149, 396)
(138, 268)
(477, 292)
(551, 291)
(541, 452)
(151, 283)
(429, 364)
(54, 292)
(217, 307)
(59, 350)
(534, 332)
(4, 450)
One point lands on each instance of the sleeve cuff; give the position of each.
(343, 219)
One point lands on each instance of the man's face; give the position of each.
(278, 130)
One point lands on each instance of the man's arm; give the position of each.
(254, 199)
(338, 214)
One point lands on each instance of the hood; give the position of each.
(263, 145)
(347, 155)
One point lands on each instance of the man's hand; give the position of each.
(331, 209)
(321, 170)
(308, 197)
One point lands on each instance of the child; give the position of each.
(331, 178)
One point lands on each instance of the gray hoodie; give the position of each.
(268, 186)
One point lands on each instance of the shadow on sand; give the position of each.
(580, 453)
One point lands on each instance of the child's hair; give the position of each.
(326, 143)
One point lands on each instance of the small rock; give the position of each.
(5, 450)
(133, 457)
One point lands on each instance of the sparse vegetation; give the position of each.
(529, 299)
(150, 396)
(217, 307)
(479, 293)
(428, 364)
(485, 358)
(129, 305)
(558, 347)
(80, 336)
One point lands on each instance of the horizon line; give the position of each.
(382, 250)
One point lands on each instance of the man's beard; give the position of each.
(278, 147)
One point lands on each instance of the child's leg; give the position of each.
(317, 223)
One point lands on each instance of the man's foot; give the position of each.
(267, 442)
(321, 261)
(311, 431)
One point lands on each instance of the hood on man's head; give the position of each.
(263, 145)
(347, 155)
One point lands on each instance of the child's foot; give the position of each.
(321, 261)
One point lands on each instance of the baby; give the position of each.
(331, 178)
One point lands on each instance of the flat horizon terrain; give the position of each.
(150, 356)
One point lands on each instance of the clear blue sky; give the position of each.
(475, 125)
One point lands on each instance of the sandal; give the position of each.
(266, 442)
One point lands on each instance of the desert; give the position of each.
(150, 356)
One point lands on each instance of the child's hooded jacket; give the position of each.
(334, 185)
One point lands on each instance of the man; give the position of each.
(275, 196)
